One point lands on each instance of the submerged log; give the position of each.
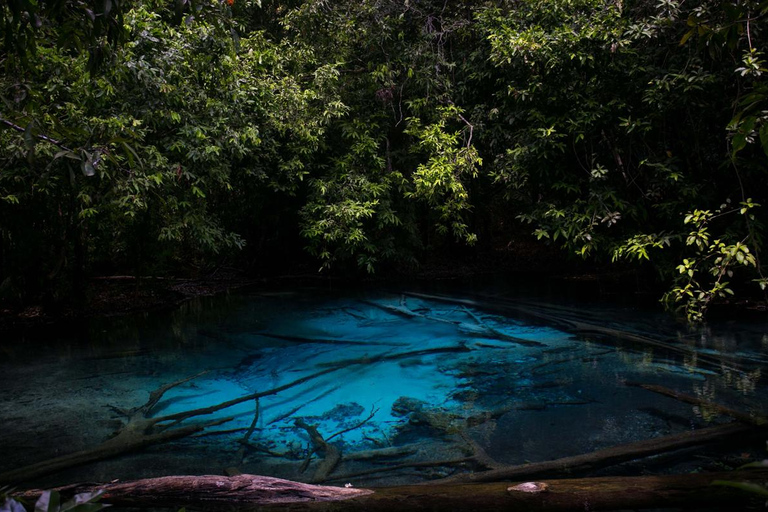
(382, 453)
(580, 327)
(329, 341)
(142, 429)
(126, 441)
(743, 417)
(606, 457)
(139, 431)
(480, 329)
(331, 454)
(693, 491)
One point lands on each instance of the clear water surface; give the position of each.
(390, 378)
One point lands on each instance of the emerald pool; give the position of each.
(407, 386)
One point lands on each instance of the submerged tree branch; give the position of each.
(606, 457)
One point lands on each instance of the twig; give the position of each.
(366, 420)
(247, 437)
(39, 136)
(471, 129)
(156, 395)
(471, 314)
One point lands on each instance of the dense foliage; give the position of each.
(142, 135)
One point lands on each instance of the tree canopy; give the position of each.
(146, 134)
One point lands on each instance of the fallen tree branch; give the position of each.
(328, 341)
(583, 328)
(296, 409)
(357, 425)
(606, 457)
(245, 441)
(138, 432)
(682, 397)
(479, 454)
(157, 395)
(394, 357)
(331, 454)
(692, 491)
(142, 430)
(224, 432)
(383, 453)
(333, 367)
(467, 328)
(128, 440)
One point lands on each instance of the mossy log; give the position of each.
(692, 491)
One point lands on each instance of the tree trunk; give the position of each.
(693, 491)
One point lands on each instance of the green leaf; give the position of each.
(132, 155)
(29, 138)
(687, 36)
(744, 486)
(738, 142)
(764, 138)
(48, 502)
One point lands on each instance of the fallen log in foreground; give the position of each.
(693, 491)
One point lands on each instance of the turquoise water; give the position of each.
(392, 379)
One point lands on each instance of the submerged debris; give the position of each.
(432, 374)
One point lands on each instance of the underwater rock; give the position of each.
(435, 418)
(248, 361)
(344, 411)
(408, 363)
(467, 395)
(406, 405)
(420, 414)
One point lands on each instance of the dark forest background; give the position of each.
(167, 138)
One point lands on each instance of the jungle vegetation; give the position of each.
(145, 135)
